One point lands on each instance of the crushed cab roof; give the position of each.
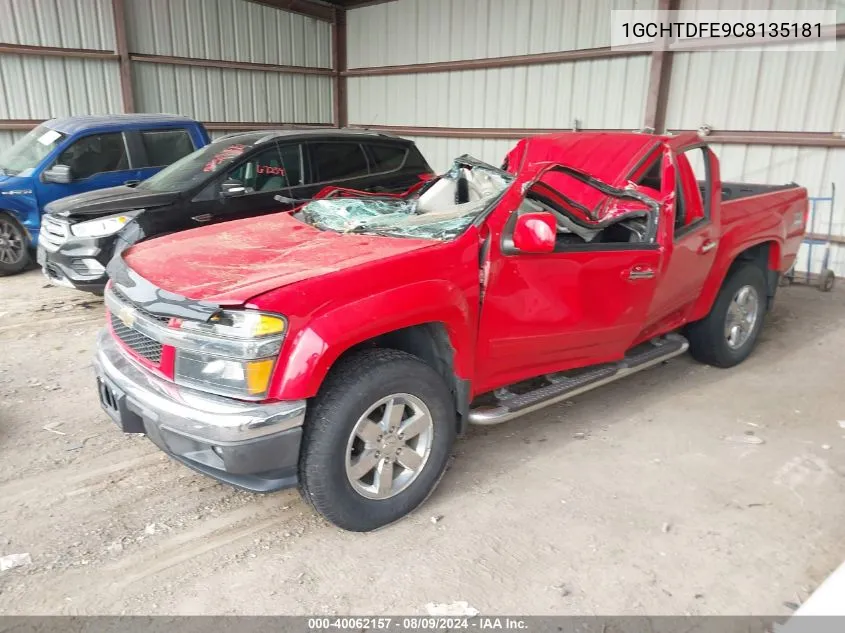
(608, 156)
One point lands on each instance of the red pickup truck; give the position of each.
(343, 347)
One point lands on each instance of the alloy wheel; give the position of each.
(389, 446)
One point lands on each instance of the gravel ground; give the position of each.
(681, 490)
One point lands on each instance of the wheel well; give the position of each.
(9, 214)
(14, 218)
(430, 343)
(764, 255)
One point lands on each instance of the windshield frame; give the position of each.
(31, 140)
(465, 161)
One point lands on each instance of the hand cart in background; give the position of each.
(825, 278)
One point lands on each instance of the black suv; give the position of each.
(237, 176)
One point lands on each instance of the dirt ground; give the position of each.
(654, 495)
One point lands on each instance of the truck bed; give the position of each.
(735, 190)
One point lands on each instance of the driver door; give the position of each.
(270, 171)
(97, 161)
(579, 305)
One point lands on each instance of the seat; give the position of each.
(442, 196)
(274, 183)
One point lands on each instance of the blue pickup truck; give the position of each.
(62, 157)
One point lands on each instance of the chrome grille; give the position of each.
(142, 345)
(54, 232)
(124, 299)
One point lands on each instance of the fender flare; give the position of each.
(312, 352)
(17, 220)
(722, 267)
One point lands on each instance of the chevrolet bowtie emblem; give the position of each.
(126, 315)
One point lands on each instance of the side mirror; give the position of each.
(535, 233)
(232, 189)
(59, 174)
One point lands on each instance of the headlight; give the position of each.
(227, 377)
(252, 340)
(238, 324)
(103, 226)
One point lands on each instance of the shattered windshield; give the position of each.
(443, 210)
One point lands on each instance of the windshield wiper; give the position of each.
(363, 229)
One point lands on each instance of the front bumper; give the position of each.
(250, 445)
(77, 263)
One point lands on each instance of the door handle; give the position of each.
(707, 246)
(640, 272)
(131, 183)
(203, 217)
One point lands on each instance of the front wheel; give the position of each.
(726, 336)
(14, 247)
(377, 439)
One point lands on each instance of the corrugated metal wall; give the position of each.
(747, 91)
(63, 23)
(597, 93)
(760, 90)
(40, 87)
(815, 168)
(422, 31)
(43, 87)
(604, 93)
(601, 93)
(8, 137)
(808, 5)
(440, 152)
(215, 94)
(233, 30)
(769, 91)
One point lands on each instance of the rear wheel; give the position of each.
(14, 247)
(726, 336)
(827, 280)
(377, 439)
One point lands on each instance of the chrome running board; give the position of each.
(561, 387)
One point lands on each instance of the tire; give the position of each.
(14, 246)
(708, 338)
(328, 480)
(827, 279)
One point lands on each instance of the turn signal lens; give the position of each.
(258, 374)
(265, 325)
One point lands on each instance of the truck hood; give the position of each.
(102, 202)
(230, 263)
